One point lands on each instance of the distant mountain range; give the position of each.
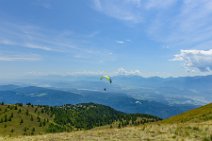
(181, 90)
(196, 90)
(119, 101)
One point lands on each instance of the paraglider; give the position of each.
(108, 78)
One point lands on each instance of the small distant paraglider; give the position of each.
(106, 77)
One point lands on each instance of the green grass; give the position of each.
(200, 114)
(149, 131)
(23, 120)
(18, 120)
(193, 125)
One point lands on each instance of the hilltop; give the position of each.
(18, 119)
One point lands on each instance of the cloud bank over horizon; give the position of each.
(195, 59)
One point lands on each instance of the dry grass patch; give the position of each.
(155, 131)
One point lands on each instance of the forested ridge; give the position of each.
(19, 119)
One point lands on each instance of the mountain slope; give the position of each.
(30, 120)
(199, 129)
(8, 87)
(200, 114)
(39, 95)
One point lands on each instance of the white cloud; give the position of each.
(120, 9)
(129, 10)
(123, 71)
(28, 36)
(74, 45)
(10, 58)
(187, 25)
(116, 72)
(35, 46)
(6, 42)
(183, 23)
(71, 73)
(123, 41)
(120, 42)
(159, 4)
(119, 71)
(26, 45)
(196, 59)
(88, 73)
(93, 34)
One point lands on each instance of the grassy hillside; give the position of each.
(23, 120)
(147, 132)
(198, 128)
(31, 120)
(201, 114)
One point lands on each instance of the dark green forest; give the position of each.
(28, 119)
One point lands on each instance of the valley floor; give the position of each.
(154, 131)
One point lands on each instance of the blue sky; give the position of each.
(77, 37)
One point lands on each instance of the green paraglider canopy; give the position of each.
(108, 78)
